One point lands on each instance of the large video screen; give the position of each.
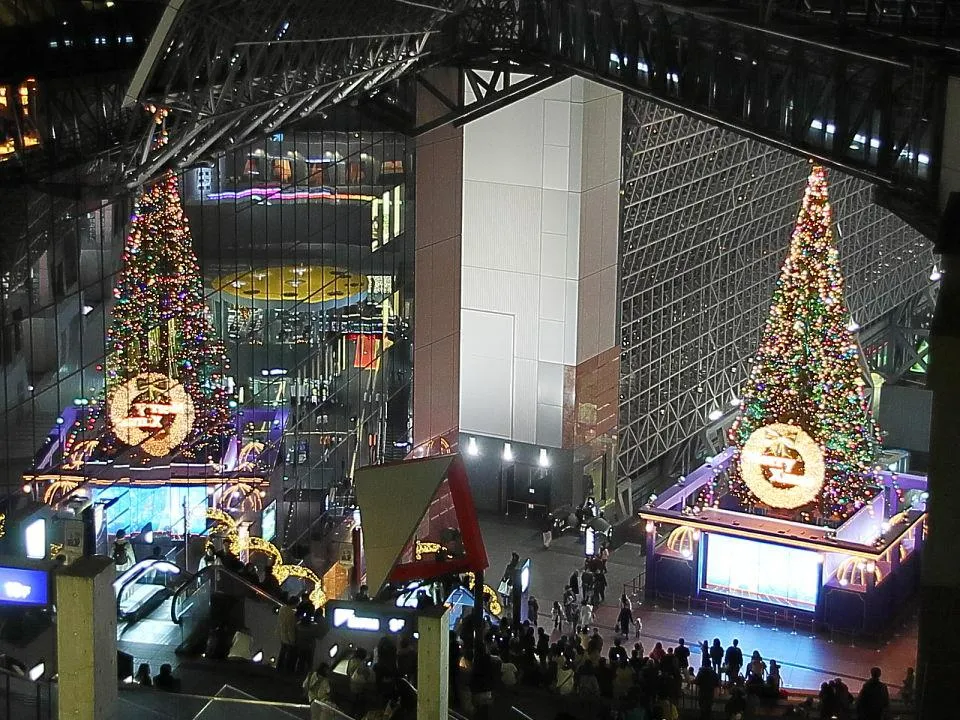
(760, 571)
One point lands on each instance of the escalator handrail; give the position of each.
(147, 566)
(204, 574)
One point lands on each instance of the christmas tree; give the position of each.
(165, 366)
(804, 437)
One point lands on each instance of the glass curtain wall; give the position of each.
(305, 243)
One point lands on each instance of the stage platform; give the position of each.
(854, 577)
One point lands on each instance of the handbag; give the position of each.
(503, 588)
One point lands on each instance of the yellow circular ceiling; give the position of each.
(302, 283)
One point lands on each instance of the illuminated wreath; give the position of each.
(151, 411)
(782, 465)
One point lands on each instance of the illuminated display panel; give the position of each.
(20, 586)
(268, 522)
(763, 572)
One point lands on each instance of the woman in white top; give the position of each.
(757, 669)
(586, 614)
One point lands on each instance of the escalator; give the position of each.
(144, 595)
(218, 601)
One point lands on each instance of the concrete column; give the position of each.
(433, 664)
(937, 666)
(87, 640)
(436, 327)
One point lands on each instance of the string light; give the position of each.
(160, 323)
(806, 372)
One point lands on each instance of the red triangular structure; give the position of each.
(420, 539)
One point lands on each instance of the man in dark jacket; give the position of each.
(874, 699)
(733, 660)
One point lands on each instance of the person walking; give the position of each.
(533, 610)
(557, 615)
(873, 702)
(575, 583)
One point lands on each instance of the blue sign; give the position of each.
(19, 586)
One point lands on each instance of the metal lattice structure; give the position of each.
(707, 220)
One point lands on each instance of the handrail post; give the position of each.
(7, 700)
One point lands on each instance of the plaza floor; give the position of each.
(806, 661)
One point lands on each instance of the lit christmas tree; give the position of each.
(165, 365)
(805, 440)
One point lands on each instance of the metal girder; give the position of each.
(868, 114)
(917, 18)
(707, 218)
(894, 348)
(483, 90)
(228, 71)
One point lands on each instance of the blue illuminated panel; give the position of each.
(760, 571)
(19, 586)
(162, 507)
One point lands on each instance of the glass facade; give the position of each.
(304, 241)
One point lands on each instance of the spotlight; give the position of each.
(257, 656)
(715, 414)
(544, 460)
(734, 401)
(935, 274)
(36, 672)
(472, 448)
(27, 488)
(651, 526)
(507, 452)
(853, 325)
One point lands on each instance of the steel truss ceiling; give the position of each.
(707, 218)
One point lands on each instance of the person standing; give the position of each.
(586, 584)
(287, 629)
(624, 620)
(716, 655)
(600, 586)
(682, 653)
(586, 614)
(122, 552)
(733, 660)
(707, 682)
(907, 688)
(575, 583)
(873, 702)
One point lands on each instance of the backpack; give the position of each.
(120, 553)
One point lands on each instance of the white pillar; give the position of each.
(87, 640)
(433, 664)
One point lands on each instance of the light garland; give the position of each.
(806, 373)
